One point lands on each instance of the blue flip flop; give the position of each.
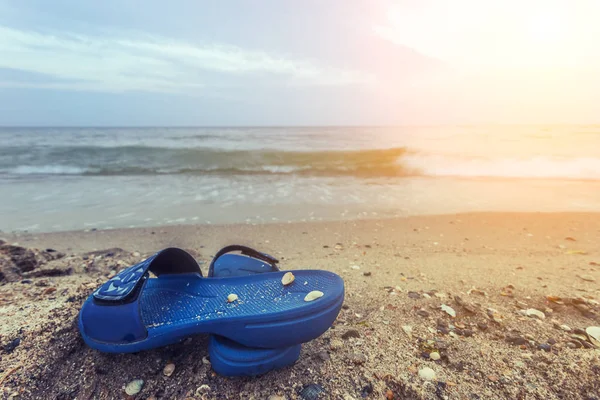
(133, 312)
(229, 358)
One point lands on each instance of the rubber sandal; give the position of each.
(133, 312)
(229, 358)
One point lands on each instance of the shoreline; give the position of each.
(472, 262)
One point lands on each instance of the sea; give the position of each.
(59, 179)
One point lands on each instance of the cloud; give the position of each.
(140, 62)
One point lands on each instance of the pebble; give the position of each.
(311, 392)
(544, 346)
(367, 273)
(232, 297)
(427, 374)
(482, 325)
(324, 356)
(136, 254)
(12, 345)
(351, 333)
(449, 310)
(434, 355)
(287, 278)
(169, 369)
(357, 358)
(276, 397)
(414, 295)
(202, 389)
(423, 313)
(565, 328)
(516, 340)
(532, 312)
(336, 344)
(134, 387)
(355, 267)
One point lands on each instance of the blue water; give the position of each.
(83, 178)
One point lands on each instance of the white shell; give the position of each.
(435, 355)
(448, 310)
(287, 278)
(134, 387)
(427, 373)
(232, 297)
(168, 370)
(315, 294)
(532, 312)
(593, 333)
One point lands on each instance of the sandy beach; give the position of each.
(491, 269)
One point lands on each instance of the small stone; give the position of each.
(532, 312)
(482, 325)
(232, 297)
(551, 341)
(427, 374)
(423, 313)
(336, 344)
(324, 356)
(12, 345)
(312, 391)
(367, 273)
(545, 347)
(351, 333)
(202, 389)
(315, 294)
(355, 267)
(434, 355)
(287, 278)
(516, 340)
(169, 369)
(414, 295)
(357, 358)
(134, 387)
(275, 397)
(49, 290)
(136, 254)
(565, 328)
(573, 345)
(587, 278)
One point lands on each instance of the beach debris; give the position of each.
(555, 299)
(315, 294)
(494, 315)
(477, 291)
(287, 278)
(169, 369)
(570, 239)
(336, 344)
(427, 374)
(565, 328)
(587, 278)
(134, 387)
(8, 348)
(357, 358)
(593, 335)
(434, 355)
(423, 313)
(414, 295)
(311, 392)
(577, 252)
(532, 312)
(351, 333)
(232, 297)
(449, 310)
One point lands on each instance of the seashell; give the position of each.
(434, 356)
(134, 387)
(168, 370)
(593, 333)
(532, 312)
(232, 297)
(449, 310)
(427, 373)
(287, 278)
(315, 294)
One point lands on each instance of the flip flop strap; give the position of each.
(247, 251)
(126, 286)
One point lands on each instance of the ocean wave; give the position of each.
(370, 163)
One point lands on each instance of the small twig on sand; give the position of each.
(9, 373)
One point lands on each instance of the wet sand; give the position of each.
(488, 267)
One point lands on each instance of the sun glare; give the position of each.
(546, 27)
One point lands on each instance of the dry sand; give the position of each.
(398, 272)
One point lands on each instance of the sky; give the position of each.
(310, 62)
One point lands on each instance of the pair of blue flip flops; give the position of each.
(257, 330)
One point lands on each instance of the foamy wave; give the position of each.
(536, 167)
(47, 170)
